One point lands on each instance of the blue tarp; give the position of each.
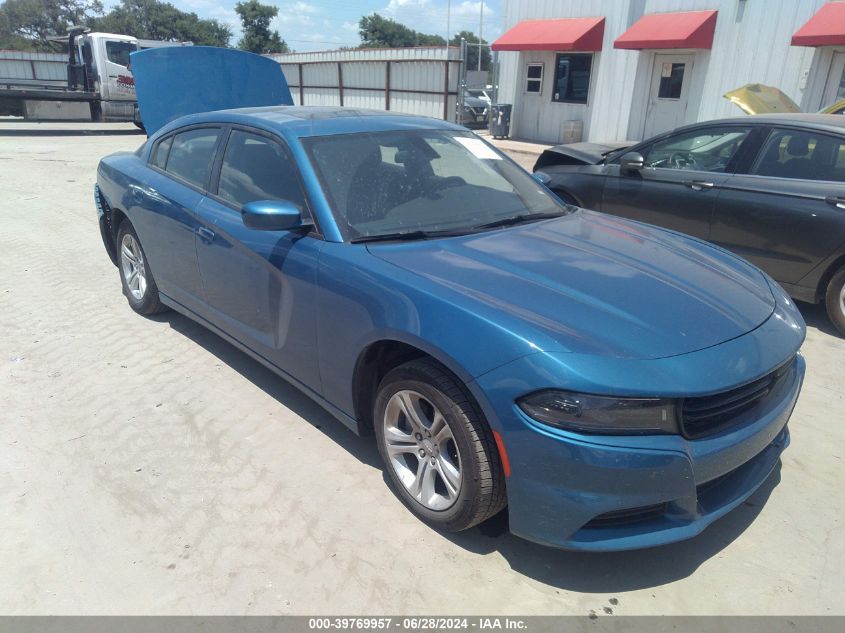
(177, 80)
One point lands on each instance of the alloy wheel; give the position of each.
(842, 300)
(422, 450)
(132, 266)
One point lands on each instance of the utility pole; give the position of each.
(480, 31)
(448, 21)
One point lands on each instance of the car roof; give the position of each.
(829, 122)
(303, 121)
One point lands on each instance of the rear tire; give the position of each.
(139, 286)
(439, 453)
(835, 300)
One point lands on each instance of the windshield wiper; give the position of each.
(520, 219)
(408, 235)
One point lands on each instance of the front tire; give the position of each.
(439, 453)
(835, 300)
(139, 286)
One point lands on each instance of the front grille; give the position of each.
(710, 414)
(628, 516)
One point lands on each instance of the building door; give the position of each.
(668, 93)
(835, 88)
(532, 100)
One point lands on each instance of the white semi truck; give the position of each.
(93, 82)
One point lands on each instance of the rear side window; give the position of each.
(803, 155)
(159, 157)
(257, 168)
(191, 155)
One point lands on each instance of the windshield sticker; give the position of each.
(478, 148)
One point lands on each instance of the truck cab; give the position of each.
(99, 63)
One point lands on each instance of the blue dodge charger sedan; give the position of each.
(616, 385)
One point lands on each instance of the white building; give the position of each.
(628, 69)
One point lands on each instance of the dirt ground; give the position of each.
(146, 466)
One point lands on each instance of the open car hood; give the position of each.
(173, 81)
(834, 108)
(761, 99)
(579, 153)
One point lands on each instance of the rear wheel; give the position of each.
(835, 300)
(440, 454)
(137, 280)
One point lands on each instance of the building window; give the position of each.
(572, 78)
(671, 81)
(534, 78)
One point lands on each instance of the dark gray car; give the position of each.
(769, 188)
(475, 112)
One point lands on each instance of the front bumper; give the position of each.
(606, 493)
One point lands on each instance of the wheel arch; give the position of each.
(381, 356)
(559, 190)
(830, 271)
(110, 221)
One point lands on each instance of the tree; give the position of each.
(154, 20)
(28, 23)
(257, 36)
(472, 50)
(379, 32)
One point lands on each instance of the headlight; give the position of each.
(600, 414)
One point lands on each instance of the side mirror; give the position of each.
(542, 177)
(272, 215)
(632, 161)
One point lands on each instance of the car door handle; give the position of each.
(206, 235)
(836, 201)
(698, 185)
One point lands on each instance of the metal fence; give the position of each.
(423, 81)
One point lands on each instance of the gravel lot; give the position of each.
(146, 466)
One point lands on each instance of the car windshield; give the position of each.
(384, 183)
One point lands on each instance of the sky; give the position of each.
(313, 25)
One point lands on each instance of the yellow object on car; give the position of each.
(836, 108)
(761, 99)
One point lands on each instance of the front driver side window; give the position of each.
(699, 150)
(257, 168)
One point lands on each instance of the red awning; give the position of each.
(570, 34)
(684, 29)
(825, 28)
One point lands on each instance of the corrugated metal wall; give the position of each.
(751, 45)
(410, 80)
(24, 68)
